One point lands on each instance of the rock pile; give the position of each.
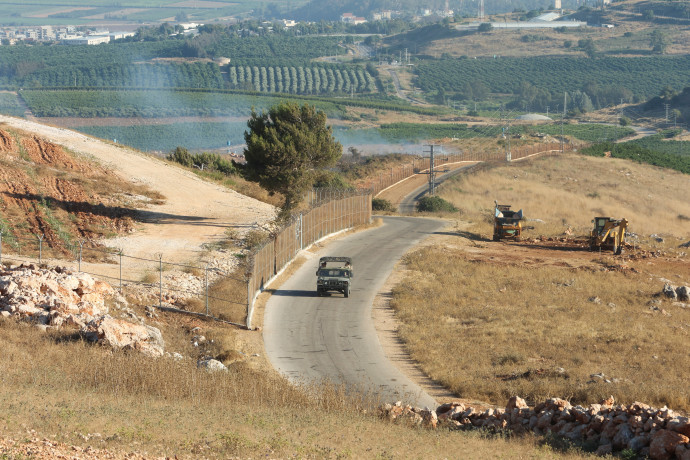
(53, 297)
(659, 434)
(123, 335)
(57, 297)
(672, 292)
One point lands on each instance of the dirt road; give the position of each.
(194, 211)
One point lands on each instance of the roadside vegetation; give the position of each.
(435, 204)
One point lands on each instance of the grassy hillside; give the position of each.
(541, 317)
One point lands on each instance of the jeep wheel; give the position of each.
(347, 292)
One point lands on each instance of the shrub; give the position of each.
(255, 238)
(203, 161)
(435, 204)
(379, 204)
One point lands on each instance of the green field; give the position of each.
(155, 103)
(658, 150)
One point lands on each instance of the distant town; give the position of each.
(68, 35)
(82, 35)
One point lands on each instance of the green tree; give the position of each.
(484, 27)
(587, 45)
(287, 147)
(658, 40)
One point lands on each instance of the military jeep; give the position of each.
(334, 274)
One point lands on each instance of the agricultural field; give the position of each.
(654, 150)
(164, 63)
(150, 104)
(327, 79)
(641, 77)
(400, 132)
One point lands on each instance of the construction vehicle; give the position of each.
(507, 223)
(334, 274)
(608, 233)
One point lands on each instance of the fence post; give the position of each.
(0, 246)
(40, 248)
(206, 287)
(160, 280)
(81, 248)
(249, 306)
(120, 253)
(301, 231)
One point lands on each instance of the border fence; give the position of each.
(164, 283)
(396, 174)
(330, 211)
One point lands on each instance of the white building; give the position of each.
(88, 40)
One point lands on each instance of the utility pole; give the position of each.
(432, 171)
(506, 133)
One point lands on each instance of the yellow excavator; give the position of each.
(608, 233)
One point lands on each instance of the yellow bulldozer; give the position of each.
(608, 233)
(507, 223)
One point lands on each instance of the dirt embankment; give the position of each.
(45, 191)
(176, 212)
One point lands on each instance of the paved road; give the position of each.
(310, 338)
(408, 205)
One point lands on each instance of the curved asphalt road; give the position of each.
(408, 204)
(310, 338)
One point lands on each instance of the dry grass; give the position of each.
(570, 190)
(508, 42)
(497, 329)
(490, 320)
(57, 385)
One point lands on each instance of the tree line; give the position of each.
(544, 80)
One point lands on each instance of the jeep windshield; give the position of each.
(333, 272)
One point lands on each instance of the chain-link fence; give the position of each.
(331, 211)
